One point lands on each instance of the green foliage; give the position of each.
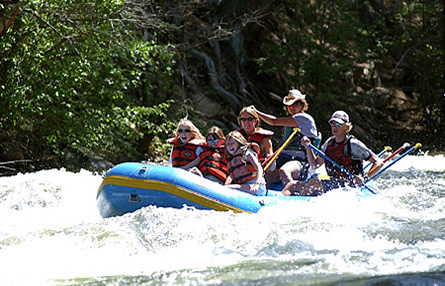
(422, 44)
(74, 73)
(321, 42)
(117, 130)
(78, 73)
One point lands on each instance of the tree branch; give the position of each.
(56, 31)
(210, 65)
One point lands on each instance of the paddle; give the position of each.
(403, 147)
(418, 145)
(385, 149)
(270, 160)
(341, 168)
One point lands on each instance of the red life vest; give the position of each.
(182, 154)
(335, 151)
(241, 170)
(214, 162)
(256, 137)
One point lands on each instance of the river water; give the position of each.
(52, 234)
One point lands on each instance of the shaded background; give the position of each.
(87, 84)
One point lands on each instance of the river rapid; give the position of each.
(52, 234)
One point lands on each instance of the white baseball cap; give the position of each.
(340, 117)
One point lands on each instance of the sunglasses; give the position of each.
(184, 130)
(336, 124)
(250, 119)
(213, 141)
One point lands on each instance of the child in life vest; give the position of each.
(187, 145)
(245, 170)
(213, 160)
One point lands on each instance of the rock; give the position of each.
(210, 108)
(11, 151)
(365, 77)
(76, 159)
(397, 108)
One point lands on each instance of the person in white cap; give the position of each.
(292, 161)
(344, 149)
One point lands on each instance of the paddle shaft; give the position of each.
(326, 157)
(404, 146)
(289, 139)
(418, 145)
(385, 149)
(268, 159)
(401, 148)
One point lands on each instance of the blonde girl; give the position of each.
(245, 170)
(187, 145)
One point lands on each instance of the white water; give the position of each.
(52, 234)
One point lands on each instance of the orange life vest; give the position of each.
(256, 137)
(241, 170)
(182, 154)
(214, 162)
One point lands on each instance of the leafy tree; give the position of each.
(76, 73)
(99, 75)
(417, 40)
(320, 43)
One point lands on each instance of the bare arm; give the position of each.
(276, 121)
(191, 164)
(266, 146)
(314, 161)
(228, 180)
(377, 164)
(259, 169)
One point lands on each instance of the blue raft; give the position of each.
(130, 186)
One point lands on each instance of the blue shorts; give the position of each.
(262, 190)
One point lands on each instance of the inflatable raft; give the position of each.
(130, 186)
